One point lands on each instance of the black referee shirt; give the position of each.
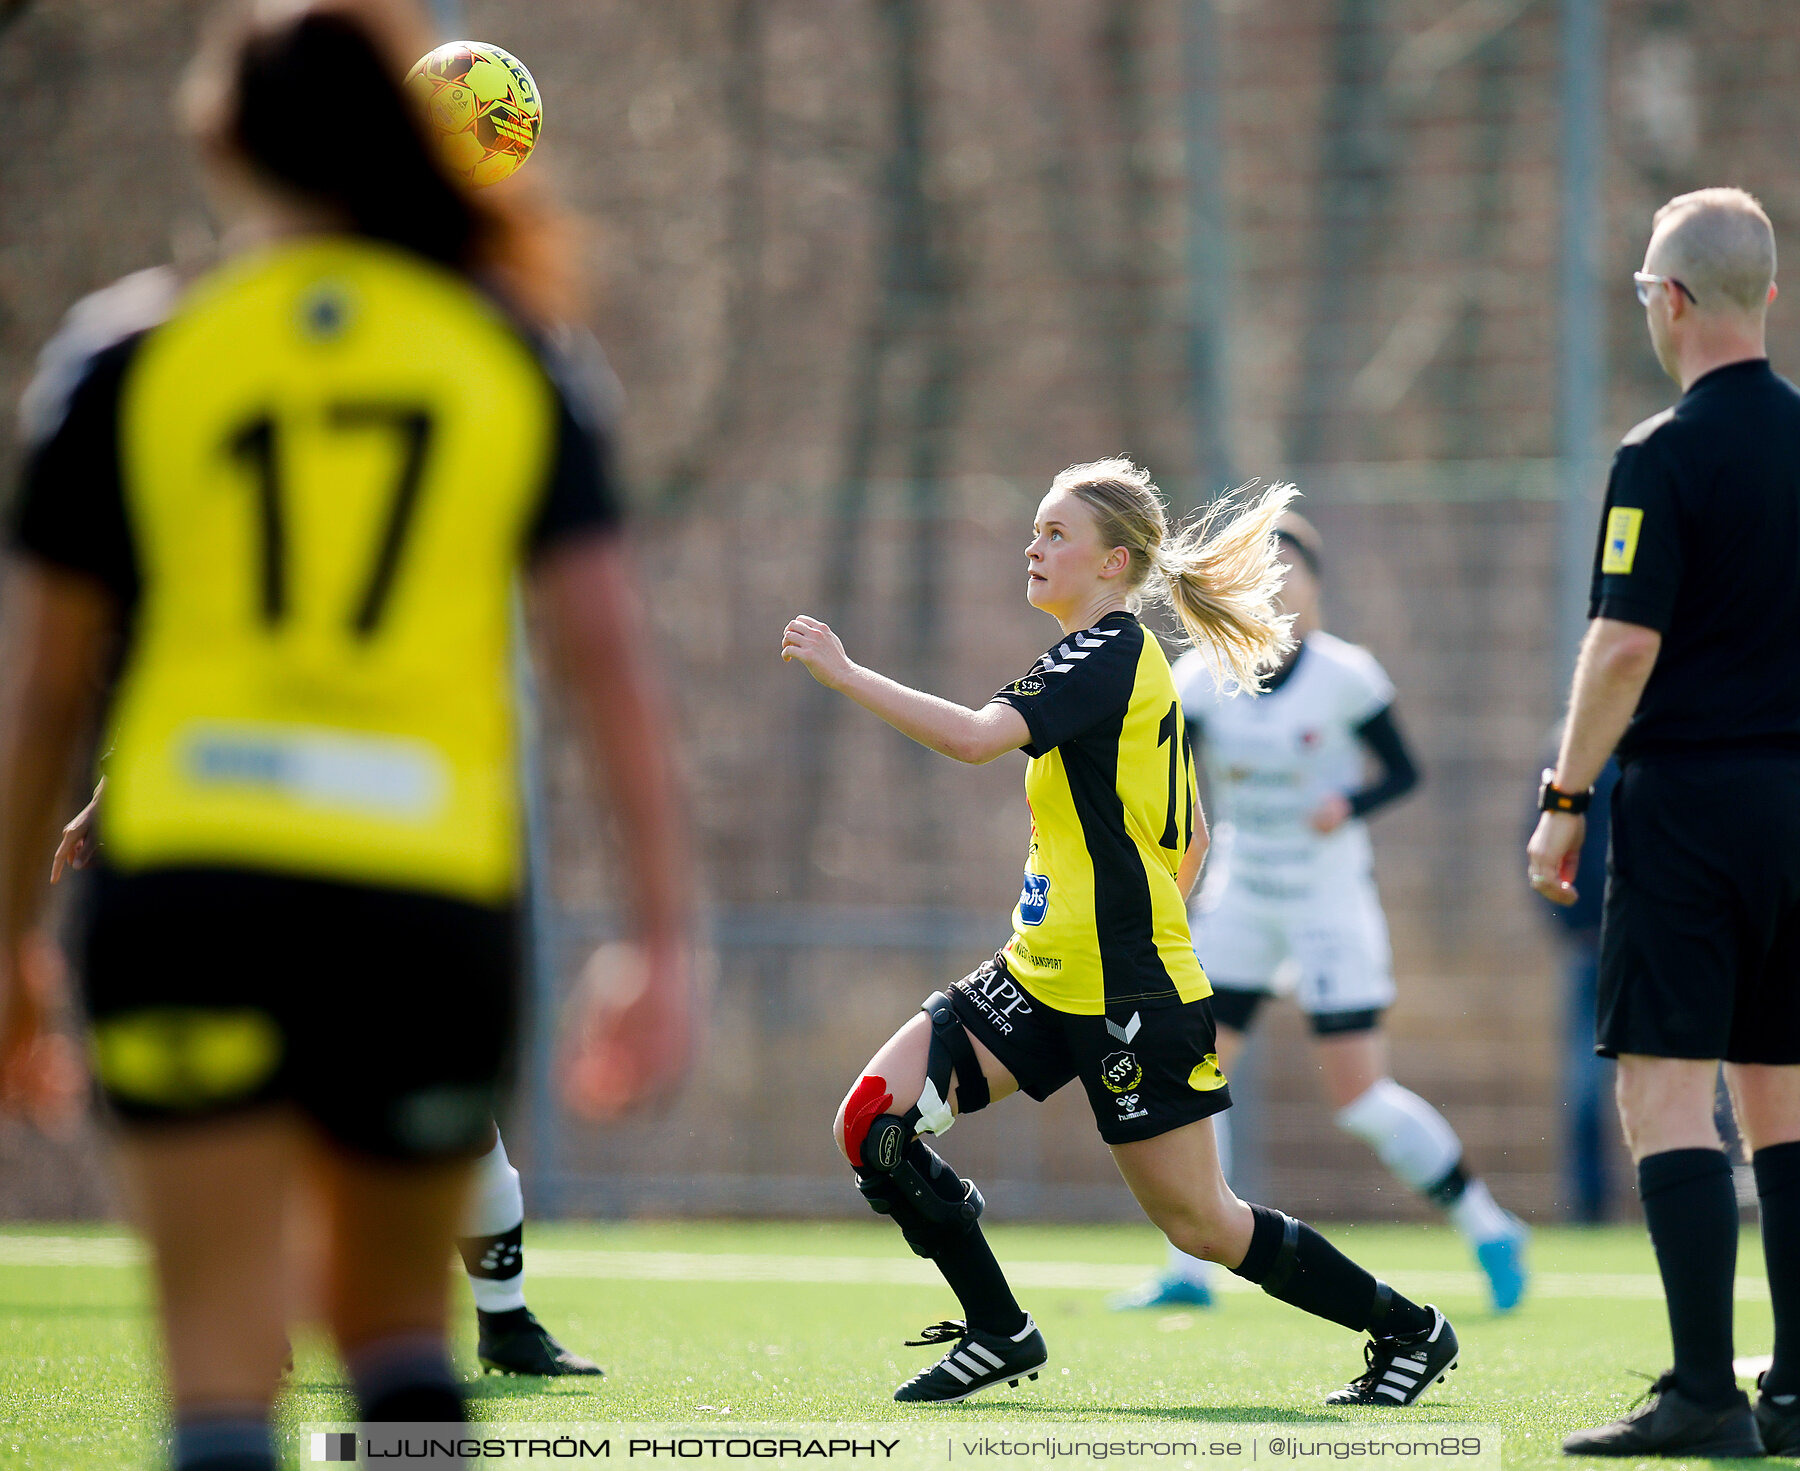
(1700, 540)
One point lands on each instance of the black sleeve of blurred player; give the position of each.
(582, 496)
(70, 507)
(1380, 733)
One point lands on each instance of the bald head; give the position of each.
(1720, 245)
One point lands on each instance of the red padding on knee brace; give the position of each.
(868, 1101)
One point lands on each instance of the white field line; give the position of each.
(697, 1266)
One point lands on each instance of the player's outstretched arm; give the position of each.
(972, 736)
(57, 628)
(633, 1046)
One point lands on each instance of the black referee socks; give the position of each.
(1291, 1261)
(1690, 1207)
(1778, 1190)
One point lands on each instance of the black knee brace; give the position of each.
(951, 1052)
(929, 1201)
(949, 1056)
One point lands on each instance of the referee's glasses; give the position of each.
(1645, 281)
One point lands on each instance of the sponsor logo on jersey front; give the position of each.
(1121, 1071)
(1034, 898)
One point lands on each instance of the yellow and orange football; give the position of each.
(483, 108)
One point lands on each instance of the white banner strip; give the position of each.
(896, 1271)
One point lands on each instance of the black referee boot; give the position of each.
(1667, 1423)
(1778, 1424)
(979, 1361)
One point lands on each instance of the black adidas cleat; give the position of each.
(979, 1361)
(1403, 1367)
(1778, 1422)
(516, 1343)
(1665, 1422)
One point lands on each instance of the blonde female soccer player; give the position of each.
(1099, 980)
(1290, 880)
(288, 521)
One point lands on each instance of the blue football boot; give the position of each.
(1503, 1259)
(1165, 1290)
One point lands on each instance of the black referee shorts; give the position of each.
(1700, 935)
(387, 1016)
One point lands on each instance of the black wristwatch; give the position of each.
(1550, 799)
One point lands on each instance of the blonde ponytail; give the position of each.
(1219, 573)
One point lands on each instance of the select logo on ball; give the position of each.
(482, 106)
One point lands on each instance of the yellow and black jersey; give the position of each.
(311, 487)
(1100, 923)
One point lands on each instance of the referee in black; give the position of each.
(1691, 668)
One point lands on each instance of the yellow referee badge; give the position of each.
(1622, 526)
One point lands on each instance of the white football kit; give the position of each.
(1275, 890)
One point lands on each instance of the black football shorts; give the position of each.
(1147, 1070)
(386, 1016)
(1700, 933)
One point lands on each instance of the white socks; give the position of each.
(1410, 1136)
(1416, 1142)
(1479, 1217)
(495, 1220)
(1412, 1139)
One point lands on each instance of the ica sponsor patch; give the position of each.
(186, 1057)
(1034, 898)
(1623, 523)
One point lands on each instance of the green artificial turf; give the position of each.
(80, 1386)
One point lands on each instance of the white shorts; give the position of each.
(1337, 948)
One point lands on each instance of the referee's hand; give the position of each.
(1552, 855)
(633, 1030)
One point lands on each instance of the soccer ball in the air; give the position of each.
(483, 108)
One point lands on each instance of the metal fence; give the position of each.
(870, 273)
